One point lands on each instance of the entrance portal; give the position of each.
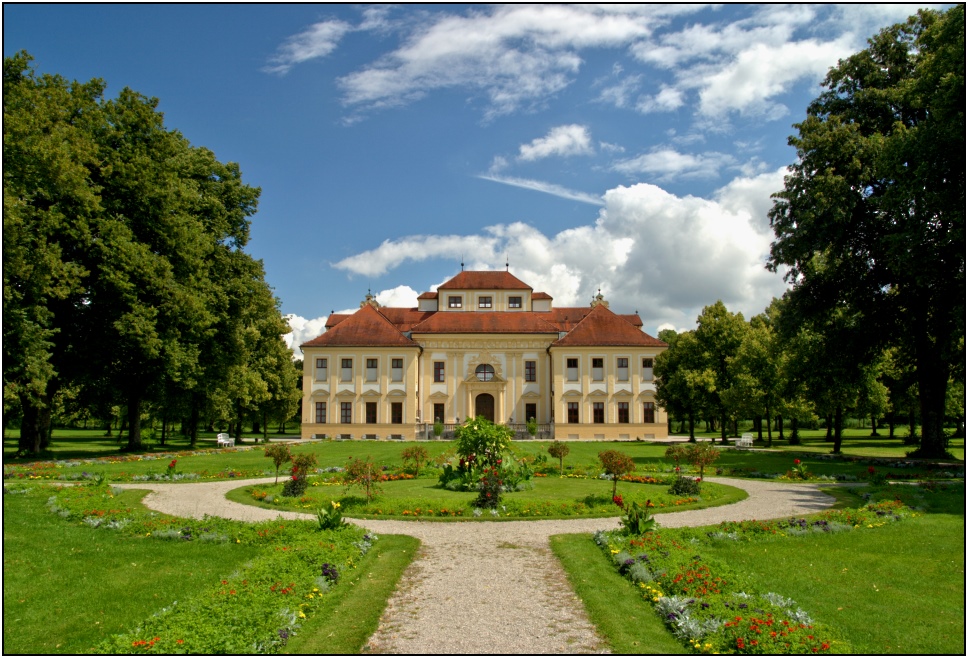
(484, 406)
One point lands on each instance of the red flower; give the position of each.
(870, 469)
(796, 461)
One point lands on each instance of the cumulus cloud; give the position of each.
(663, 255)
(560, 141)
(303, 330)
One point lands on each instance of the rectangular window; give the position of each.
(530, 411)
(347, 370)
(571, 370)
(622, 369)
(623, 412)
(346, 412)
(572, 412)
(484, 302)
(647, 369)
(514, 302)
(371, 368)
(438, 371)
(320, 412)
(648, 412)
(396, 413)
(530, 371)
(438, 412)
(322, 369)
(598, 369)
(598, 412)
(455, 302)
(396, 370)
(371, 413)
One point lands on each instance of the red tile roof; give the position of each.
(602, 327)
(404, 318)
(367, 327)
(540, 295)
(478, 322)
(489, 280)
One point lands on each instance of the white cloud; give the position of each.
(547, 188)
(668, 164)
(303, 330)
(668, 99)
(515, 55)
(561, 141)
(651, 251)
(317, 41)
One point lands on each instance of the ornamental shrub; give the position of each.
(487, 440)
(279, 454)
(616, 464)
(559, 451)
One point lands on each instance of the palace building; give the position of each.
(484, 344)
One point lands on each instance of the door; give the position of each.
(484, 406)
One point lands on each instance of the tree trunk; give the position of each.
(30, 431)
(193, 421)
(932, 390)
(890, 425)
(794, 432)
(830, 428)
(722, 427)
(779, 424)
(758, 423)
(134, 422)
(692, 428)
(769, 430)
(838, 429)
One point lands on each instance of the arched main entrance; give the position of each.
(484, 406)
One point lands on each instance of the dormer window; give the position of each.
(454, 301)
(484, 302)
(514, 302)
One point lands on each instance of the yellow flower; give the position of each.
(335, 504)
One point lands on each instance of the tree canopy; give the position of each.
(871, 222)
(123, 263)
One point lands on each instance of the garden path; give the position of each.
(486, 588)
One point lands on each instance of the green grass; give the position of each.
(581, 497)
(894, 589)
(583, 456)
(616, 609)
(343, 625)
(67, 586)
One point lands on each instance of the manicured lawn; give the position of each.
(67, 586)
(552, 497)
(616, 608)
(343, 626)
(894, 588)
(249, 461)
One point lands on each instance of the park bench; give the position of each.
(224, 441)
(745, 441)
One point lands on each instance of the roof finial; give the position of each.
(462, 262)
(507, 263)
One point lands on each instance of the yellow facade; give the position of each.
(448, 360)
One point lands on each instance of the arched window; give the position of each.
(485, 372)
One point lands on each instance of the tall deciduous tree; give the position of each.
(872, 215)
(720, 335)
(684, 384)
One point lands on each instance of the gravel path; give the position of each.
(486, 588)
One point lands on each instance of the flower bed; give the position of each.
(710, 607)
(255, 610)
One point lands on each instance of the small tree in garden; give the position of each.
(702, 455)
(676, 453)
(296, 485)
(438, 428)
(616, 464)
(416, 455)
(279, 454)
(362, 473)
(559, 451)
(484, 439)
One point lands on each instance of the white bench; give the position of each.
(225, 441)
(745, 441)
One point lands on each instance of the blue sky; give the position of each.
(632, 149)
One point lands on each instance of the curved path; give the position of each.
(488, 587)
